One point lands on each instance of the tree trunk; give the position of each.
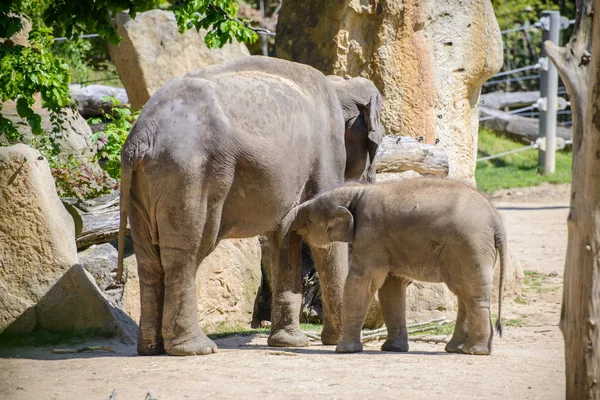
(580, 314)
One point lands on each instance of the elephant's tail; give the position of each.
(126, 174)
(500, 240)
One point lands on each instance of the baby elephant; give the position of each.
(426, 229)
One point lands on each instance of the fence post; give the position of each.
(550, 22)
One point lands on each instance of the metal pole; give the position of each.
(263, 37)
(550, 22)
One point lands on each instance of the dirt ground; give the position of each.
(527, 362)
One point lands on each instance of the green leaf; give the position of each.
(35, 121)
(23, 108)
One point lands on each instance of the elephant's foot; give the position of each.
(199, 345)
(330, 336)
(150, 347)
(349, 347)
(454, 347)
(475, 349)
(284, 338)
(397, 345)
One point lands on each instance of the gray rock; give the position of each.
(152, 51)
(101, 262)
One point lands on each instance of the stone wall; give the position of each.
(428, 58)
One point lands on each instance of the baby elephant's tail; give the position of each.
(500, 240)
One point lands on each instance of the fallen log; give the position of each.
(96, 221)
(90, 102)
(500, 99)
(405, 153)
(516, 127)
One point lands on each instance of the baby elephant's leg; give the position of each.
(479, 321)
(392, 297)
(361, 285)
(460, 330)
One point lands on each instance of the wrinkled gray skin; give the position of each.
(431, 230)
(225, 152)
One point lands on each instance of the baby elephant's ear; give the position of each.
(340, 227)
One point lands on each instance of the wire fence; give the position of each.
(514, 75)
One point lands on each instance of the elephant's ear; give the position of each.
(340, 227)
(373, 117)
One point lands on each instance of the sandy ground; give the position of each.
(527, 362)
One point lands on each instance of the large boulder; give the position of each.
(90, 99)
(227, 284)
(100, 261)
(42, 286)
(37, 235)
(74, 139)
(152, 51)
(427, 57)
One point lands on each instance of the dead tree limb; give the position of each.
(500, 99)
(96, 221)
(516, 127)
(405, 153)
(578, 64)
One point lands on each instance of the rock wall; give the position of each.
(152, 51)
(428, 58)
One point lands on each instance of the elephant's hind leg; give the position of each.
(287, 295)
(150, 341)
(188, 232)
(459, 337)
(479, 321)
(392, 297)
(182, 334)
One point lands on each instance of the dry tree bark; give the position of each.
(580, 314)
(405, 153)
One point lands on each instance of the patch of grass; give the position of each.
(223, 332)
(520, 300)
(538, 282)
(311, 327)
(240, 330)
(514, 322)
(442, 330)
(517, 169)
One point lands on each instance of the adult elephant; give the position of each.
(225, 152)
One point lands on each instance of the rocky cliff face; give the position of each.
(427, 57)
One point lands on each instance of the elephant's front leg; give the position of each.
(331, 263)
(392, 297)
(286, 278)
(180, 330)
(359, 290)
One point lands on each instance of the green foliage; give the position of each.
(25, 71)
(514, 170)
(73, 179)
(523, 48)
(520, 12)
(218, 17)
(110, 140)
